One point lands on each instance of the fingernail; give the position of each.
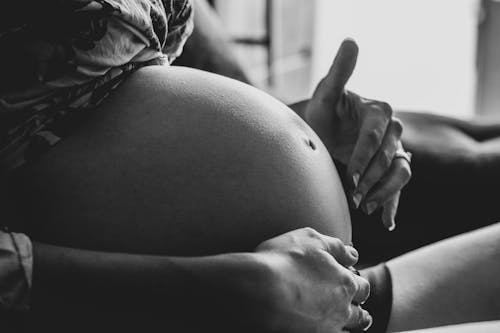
(370, 323)
(356, 198)
(353, 252)
(392, 226)
(355, 179)
(370, 207)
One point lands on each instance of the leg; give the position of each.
(487, 327)
(209, 48)
(454, 162)
(451, 282)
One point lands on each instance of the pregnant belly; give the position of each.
(183, 162)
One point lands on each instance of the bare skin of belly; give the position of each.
(182, 162)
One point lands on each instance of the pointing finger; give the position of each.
(332, 86)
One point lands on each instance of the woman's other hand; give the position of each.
(362, 134)
(310, 288)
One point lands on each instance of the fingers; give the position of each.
(378, 116)
(377, 176)
(332, 85)
(358, 290)
(359, 319)
(397, 177)
(345, 255)
(389, 212)
(304, 238)
(363, 290)
(381, 162)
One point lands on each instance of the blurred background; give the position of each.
(438, 56)
(439, 59)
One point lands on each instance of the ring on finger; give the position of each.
(406, 155)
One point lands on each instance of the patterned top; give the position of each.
(62, 57)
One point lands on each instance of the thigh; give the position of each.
(183, 162)
(486, 327)
(451, 282)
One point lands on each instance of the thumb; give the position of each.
(332, 86)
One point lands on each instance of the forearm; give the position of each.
(82, 276)
(177, 289)
(209, 48)
(480, 128)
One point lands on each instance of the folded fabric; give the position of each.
(65, 55)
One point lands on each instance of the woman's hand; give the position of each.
(295, 283)
(362, 134)
(309, 288)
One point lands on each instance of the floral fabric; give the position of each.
(60, 58)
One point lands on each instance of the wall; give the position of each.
(416, 54)
(488, 96)
(291, 32)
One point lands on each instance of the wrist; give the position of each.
(236, 286)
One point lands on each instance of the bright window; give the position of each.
(415, 54)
